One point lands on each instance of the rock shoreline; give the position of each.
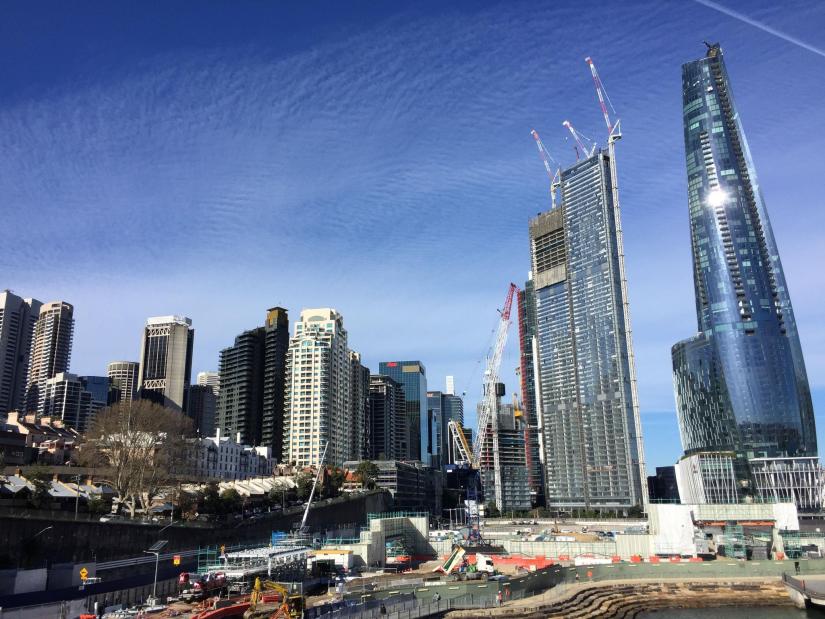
(627, 599)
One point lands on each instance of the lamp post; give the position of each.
(155, 550)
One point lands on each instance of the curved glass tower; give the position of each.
(741, 385)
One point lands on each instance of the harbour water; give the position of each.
(734, 613)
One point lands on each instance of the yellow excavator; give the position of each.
(290, 606)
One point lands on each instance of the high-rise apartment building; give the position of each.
(166, 360)
(742, 394)
(515, 487)
(585, 389)
(276, 344)
(412, 376)
(250, 386)
(241, 398)
(51, 349)
(528, 360)
(124, 378)
(17, 320)
(318, 402)
(360, 396)
(387, 414)
(64, 397)
(449, 385)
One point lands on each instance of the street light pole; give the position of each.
(155, 550)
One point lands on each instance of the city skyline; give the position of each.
(449, 336)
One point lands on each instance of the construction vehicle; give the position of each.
(281, 604)
(193, 586)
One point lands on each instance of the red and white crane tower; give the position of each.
(546, 157)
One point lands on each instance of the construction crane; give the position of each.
(578, 137)
(303, 527)
(614, 131)
(488, 411)
(546, 157)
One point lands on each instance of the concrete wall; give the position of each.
(77, 542)
(30, 580)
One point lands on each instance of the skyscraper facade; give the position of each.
(203, 409)
(17, 320)
(515, 487)
(64, 397)
(742, 394)
(276, 344)
(527, 377)
(51, 349)
(585, 388)
(241, 397)
(318, 401)
(166, 360)
(437, 427)
(124, 378)
(412, 376)
(387, 414)
(360, 396)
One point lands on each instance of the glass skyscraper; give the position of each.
(741, 388)
(585, 379)
(419, 429)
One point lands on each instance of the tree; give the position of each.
(231, 501)
(142, 444)
(335, 480)
(41, 478)
(96, 505)
(367, 473)
(303, 482)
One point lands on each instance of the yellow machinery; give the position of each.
(291, 604)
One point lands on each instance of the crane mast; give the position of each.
(547, 158)
(488, 415)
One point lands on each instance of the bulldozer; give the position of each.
(283, 605)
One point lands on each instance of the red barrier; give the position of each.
(635, 559)
(675, 559)
(654, 559)
(616, 559)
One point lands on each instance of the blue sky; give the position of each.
(215, 159)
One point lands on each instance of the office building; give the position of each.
(276, 344)
(413, 486)
(241, 397)
(103, 393)
(51, 349)
(663, 487)
(166, 360)
(17, 320)
(436, 428)
(65, 398)
(585, 388)
(742, 394)
(203, 409)
(412, 376)
(209, 379)
(360, 396)
(387, 416)
(318, 403)
(528, 360)
(124, 378)
(449, 385)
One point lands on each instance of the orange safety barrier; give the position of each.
(616, 559)
(564, 557)
(695, 560)
(779, 555)
(675, 559)
(635, 559)
(654, 559)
